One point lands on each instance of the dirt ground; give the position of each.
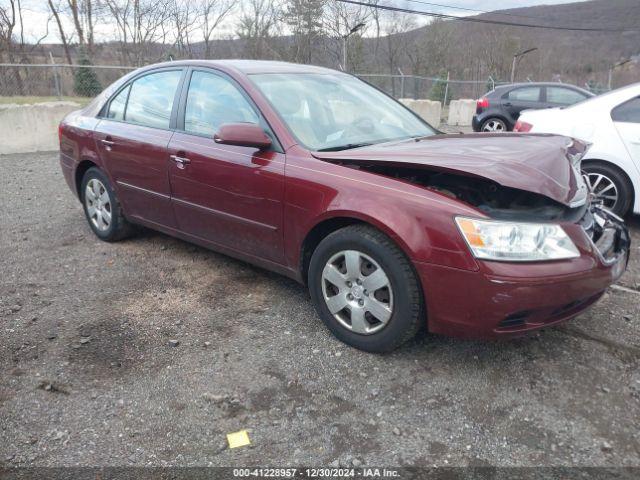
(148, 352)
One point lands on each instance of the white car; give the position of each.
(611, 123)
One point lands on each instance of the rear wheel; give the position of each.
(609, 185)
(101, 207)
(365, 289)
(494, 125)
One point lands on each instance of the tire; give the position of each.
(494, 125)
(403, 297)
(102, 208)
(600, 175)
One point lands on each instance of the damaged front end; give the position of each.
(495, 200)
(521, 177)
(525, 183)
(609, 235)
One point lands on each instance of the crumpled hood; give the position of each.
(538, 163)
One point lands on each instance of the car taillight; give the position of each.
(482, 103)
(522, 127)
(60, 133)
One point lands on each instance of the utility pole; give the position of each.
(345, 39)
(516, 59)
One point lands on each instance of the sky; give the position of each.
(36, 15)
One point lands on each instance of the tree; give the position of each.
(339, 21)
(140, 25)
(14, 41)
(212, 13)
(439, 89)
(256, 27)
(304, 17)
(85, 80)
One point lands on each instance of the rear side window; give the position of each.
(563, 96)
(151, 99)
(627, 112)
(118, 104)
(213, 100)
(526, 94)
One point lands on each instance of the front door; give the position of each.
(229, 195)
(132, 139)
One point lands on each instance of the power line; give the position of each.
(474, 10)
(479, 20)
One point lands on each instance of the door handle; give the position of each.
(181, 162)
(108, 144)
(507, 104)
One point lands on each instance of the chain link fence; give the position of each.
(22, 83)
(432, 88)
(25, 82)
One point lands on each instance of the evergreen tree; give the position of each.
(305, 19)
(439, 88)
(85, 80)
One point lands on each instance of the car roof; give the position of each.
(511, 86)
(249, 67)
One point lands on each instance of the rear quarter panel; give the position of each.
(76, 145)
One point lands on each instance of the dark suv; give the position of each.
(499, 109)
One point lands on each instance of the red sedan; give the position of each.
(319, 176)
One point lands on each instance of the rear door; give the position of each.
(229, 195)
(521, 98)
(132, 140)
(626, 118)
(562, 96)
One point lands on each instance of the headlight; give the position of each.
(516, 242)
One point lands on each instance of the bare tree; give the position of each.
(256, 27)
(184, 16)
(13, 40)
(55, 11)
(341, 22)
(394, 27)
(139, 25)
(211, 15)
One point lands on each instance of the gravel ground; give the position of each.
(148, 352)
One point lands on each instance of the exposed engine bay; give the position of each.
(492, 198)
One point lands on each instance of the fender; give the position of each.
(420, 221)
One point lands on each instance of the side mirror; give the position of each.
(242, 135)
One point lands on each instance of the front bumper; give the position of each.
(507, 299)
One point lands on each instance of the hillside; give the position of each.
(468, 51)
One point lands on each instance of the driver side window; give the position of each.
(213, 100)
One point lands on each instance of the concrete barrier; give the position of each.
(32, 128)
(429, 110)
(461, 112)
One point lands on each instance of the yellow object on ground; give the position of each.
(238, 439)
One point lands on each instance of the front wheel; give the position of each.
(609, 186)
(365, 289)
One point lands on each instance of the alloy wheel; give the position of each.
(602, 188)
(357, 292)
(98, 204)
(494, 125)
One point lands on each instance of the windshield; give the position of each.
(336, 112)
